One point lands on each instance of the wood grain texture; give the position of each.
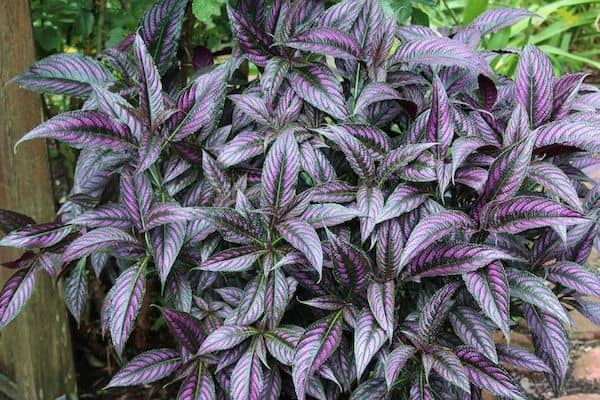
(35, 349)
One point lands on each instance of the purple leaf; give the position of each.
(41, 235)
(375, 92)
(351, 266)
(273, 76)
(474, 330)
(382, 300)
(230, 223)
(317, 86)
(373, 389)
(225, 338)
(369, 200)
(277, 296)
(329, 214)
(147, 367)
(304, 238)
(453, 259)
(167, 241)
(527, 212)
(252, 303)
(317, 344)
(517, 128)
(575, 276)
(242, 147)
(389, 247)
(196, 106)
(436, 310)
(550, 342)
(82, 129)
(125, 302)
(533, 85)
(151, 97)
(402, 200)
(396, 361)
(271, 389)
(447, 365)
(118, 108)
(76, 290)
(400, 157)
(98, 240)
(566, 89)
(440, 126)
(161, 28)
(232, 260)
(462, 147)
(107, 215)
(247, 377)
(489, 288)
(555, 181)
(198, 385)
(495, 19)
(433, 228)
(11, 221)
(168, 213)
(281, 343)
(68, 74)
(421, 391)
(326, 41)
(136, 196)
(14, 295)
(533, 290)
(583, 135)
(521, 358)
(441, 51)
(489, 376)
(368, 339)
(253, 106)
(506, 174)
(280, 173)
(254, 42)
(186, 329)
(357, 153)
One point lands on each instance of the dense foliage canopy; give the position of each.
(354, 222)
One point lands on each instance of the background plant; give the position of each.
(354, 221)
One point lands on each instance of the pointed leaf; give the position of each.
(280, 172)
(14, 295)
(555, 181)
(533, 84)
(186, 329)
(151, 97)
(448, 366)
(368, 339)
(474, 331)
(575, 276)
(317, 86)
(329, 214)
(521, 358)
(225, 338)
(198, 385)
(167, 241)
(351, 265)
(232, 260)
(32, 236)
(317, 344)
(147, 367)
(304, 238)
(76, 290)
(396, 361)
(98, 240)
(495, 19)
(369, 200)
(381, 299)
(326, 41)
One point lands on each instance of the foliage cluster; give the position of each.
(356, 222)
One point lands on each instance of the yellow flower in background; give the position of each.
(567, 16)
(70, 49)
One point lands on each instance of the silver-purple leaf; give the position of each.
(580, 134)
(489, 288)
(225, 337)
(396, 361)
(400, 157)
(521, 358)
(117, 107)
(253, 41)
(16, 292)
(440, 125)
(447, 365)
(382, 301)
(107, 215)
(495, 19)
(151, 97)
(317, 86)
(368, 339)
(369, 201)
(125, 302)
(252, 303)
(232, 260)
(357, 153)
(317, 344)
(198, 385)
(575, 276)
(532, 290)
(474, 330)
(403, 199)
(67, 74)
(136, 195)
(522, 213)
(489, 376)
(40, 235)
(555, 181)
(76, 289)
(147, 367)
(432, 229)
(247, 377)
(167, 241)
(329, 214)
(82, 129)
(375, 92)
(326, 41)
(304, 238)
(517, 127)
(11, 221)
(533, 85)
(186, 329)
(101, 239)
(280, 173)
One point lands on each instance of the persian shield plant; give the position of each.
(355, 222)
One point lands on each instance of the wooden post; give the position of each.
(36, 359)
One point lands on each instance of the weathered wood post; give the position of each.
(36, 359)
